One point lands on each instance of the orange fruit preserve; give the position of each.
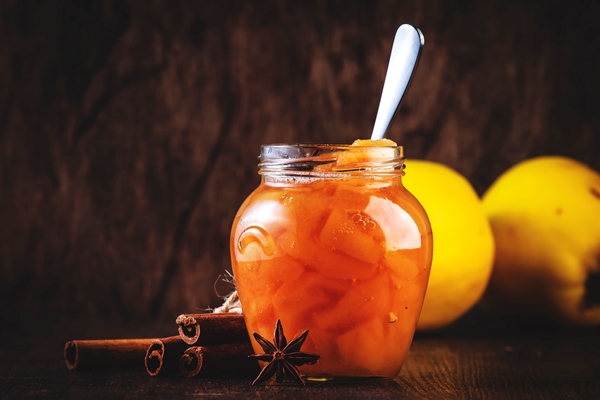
(332, 242)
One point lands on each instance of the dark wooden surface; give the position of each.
(471, 363)
(129, 129)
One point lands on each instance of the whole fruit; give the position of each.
(463, 245)
(545, 214)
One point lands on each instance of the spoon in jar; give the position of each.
(406, 51)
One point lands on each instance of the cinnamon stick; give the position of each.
(212, 328)
(162, 355)
(103, 354)
(217, 359)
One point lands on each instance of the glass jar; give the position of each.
(332, 242)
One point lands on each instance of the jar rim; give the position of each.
(330, 158)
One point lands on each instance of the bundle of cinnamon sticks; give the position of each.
(208, 344)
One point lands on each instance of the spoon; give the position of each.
(406, 51)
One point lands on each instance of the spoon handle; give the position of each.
(406, 51)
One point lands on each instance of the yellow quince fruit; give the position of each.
(545, 215)
(463, 245)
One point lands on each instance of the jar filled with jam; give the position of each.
(331, 242)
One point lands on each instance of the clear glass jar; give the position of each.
(332, 242)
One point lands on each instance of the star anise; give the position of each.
(283, 357)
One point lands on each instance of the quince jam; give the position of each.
(331, 242)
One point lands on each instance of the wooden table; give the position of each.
(465, 363)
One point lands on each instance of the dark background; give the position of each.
(129, 130)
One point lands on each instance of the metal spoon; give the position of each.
(406, 51)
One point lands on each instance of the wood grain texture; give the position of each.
(452, 365)
(129, 130)
(501, 364)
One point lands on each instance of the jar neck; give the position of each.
(325, 161)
